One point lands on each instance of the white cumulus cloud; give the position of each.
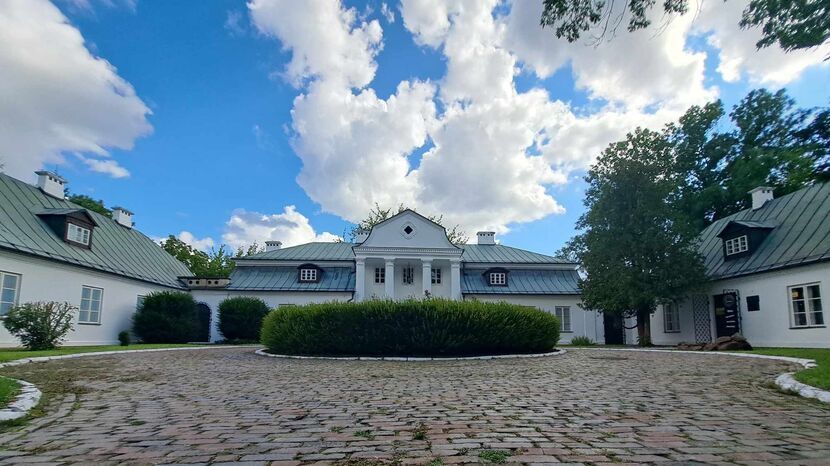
(202, 244)
(57, 97)
(291, 227)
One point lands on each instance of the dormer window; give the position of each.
(308, 275)
(736, 245)
(77, 234)
(498, 279)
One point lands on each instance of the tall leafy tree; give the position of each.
(215, 263)
(636, 248)
(793, 25)
(90, 203)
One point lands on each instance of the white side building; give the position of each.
(769, 270)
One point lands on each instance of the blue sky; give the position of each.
(224, 146)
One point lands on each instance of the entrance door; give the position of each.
(726, 315)
(613, 324)
(203, 316)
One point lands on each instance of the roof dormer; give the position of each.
(743, 237)
(74, 226)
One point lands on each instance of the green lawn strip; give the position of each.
(818, 377)
(9, 388)
(11, 354)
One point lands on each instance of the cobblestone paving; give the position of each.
(585, 407)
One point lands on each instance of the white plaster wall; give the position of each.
(687, 326)
(44, 280)
(771, 325)
(273, 299)
(583, 323)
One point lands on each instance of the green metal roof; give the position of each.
(114, 248)
(531, 282)
(799, 235)
(500, 254)
(285, 279)
(308, 252)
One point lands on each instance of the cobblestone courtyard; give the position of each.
(588, 407)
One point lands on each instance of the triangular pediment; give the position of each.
(408, 229)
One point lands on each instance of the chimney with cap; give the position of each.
(272, 245)
(123, 216)
(50, 183)
(760, 196)
(361, 235)
(486, 237)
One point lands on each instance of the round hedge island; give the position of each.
(428, 328)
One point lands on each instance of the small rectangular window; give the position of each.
(436, 276)
(753, 303)
(563, 313)
(9, 289)
(498, 278)
(408, 275)
(737, 245)
(671, 318)
(806, 306)
(308, 275)
(77, 234)
(139, 301)
(380, 275)
(90, 309)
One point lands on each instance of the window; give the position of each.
(737, 245)
(380, 275)
(436, 276)
(308, 275)
(806, 307)
(77, 234)
(408, 275)
(671, 318)
(498, 278)
(139, 301)
(753, 303)
(9, 286)
(563, 313)
(90, 311)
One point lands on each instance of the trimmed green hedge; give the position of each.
(166, 317)
(240, 318)
(434, 327)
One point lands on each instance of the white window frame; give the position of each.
(436, 276)
(671, 318)
(408, 275)
(308, 274)
(737, 245)
(563, 313)
(812, 317)
(380, 275)
(88, 305)
(78, 234)
(6, 305)
(498, 278)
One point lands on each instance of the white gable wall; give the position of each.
(390, 233)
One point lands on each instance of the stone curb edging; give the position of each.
(29, 395)
(262, 352)
(784, 381)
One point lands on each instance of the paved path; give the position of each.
(585, 407)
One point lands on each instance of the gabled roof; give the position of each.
(308, 252)
(500, 254)
(285, 279)
(800, 234)
(79, 212)
(530, 282)
(745, 224)
(114, 249)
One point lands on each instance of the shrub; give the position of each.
(40, 325)
(166, 317)
(240, 318)
(124, 338)
(434, 327)
(582, 341)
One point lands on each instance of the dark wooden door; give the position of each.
(726, 315)
(203, 318)
(613, 324)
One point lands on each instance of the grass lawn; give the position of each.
(8, 390)
(10, 354)
(818, 376)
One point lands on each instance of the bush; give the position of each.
(166, 317)
(240, 318)
(434, 327)
(40, 325)
(582, 341)
(124, 338)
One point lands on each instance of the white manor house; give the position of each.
(768, 266)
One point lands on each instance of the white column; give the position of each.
(389, 284)
(360, 280)
(426, 276)
(455, 279)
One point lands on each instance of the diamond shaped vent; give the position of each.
(408, 230)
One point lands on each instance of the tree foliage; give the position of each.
(90, 203)
(213, 263)
(40, 325)
(792, 25)
(378, 214)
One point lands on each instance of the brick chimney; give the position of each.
(760, 196)
(272, 245)
(486, 237)
(123, 216)
(50, 183)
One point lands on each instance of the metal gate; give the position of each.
(702, 318)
